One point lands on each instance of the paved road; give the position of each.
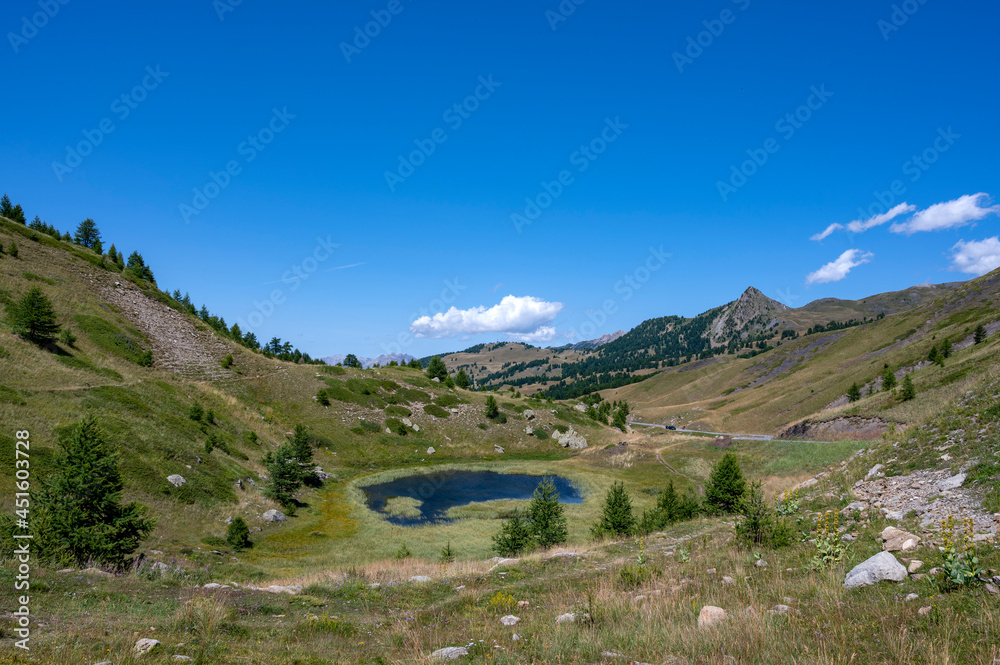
(742, 437)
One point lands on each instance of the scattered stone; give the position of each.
(145, 645)
(498, 449)
(160, 566)
(529, 430)
(274, 516)
(96, 573)
(760, 563)
(848, 538)
(711, 616)
(437, 380)
(874, 471)
(710, 571)
(407, 422)
(529, 414)
(430, 450)
(515, 637)
(572, 617)
(319, 473)
(176, 480)
(934, 571)
(882, 566)
(911, 597)
(582, 408)
(897, 540)
(805, 484)
(65, 571)
(924, 611)
(276, 588)
(449, 653)
(524, 603)
(992, 589)
(727, 581)
(915, 565)
(859, 506)
(894, 515)
(178, 658)
(510, 620)
(952, 483)
(779, 610)
(420, 579)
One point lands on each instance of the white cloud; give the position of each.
(976, 257)
(826, 232)
(862, 225)
(515, 315)
(838, 270)
(949, 214)
(543, 334)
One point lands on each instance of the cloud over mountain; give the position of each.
(839, 268)
(522, 317)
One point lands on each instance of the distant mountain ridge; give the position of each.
(382, 360)
(592, 343)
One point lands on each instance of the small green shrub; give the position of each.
(436, 411)
(227, 362)
(396, 411)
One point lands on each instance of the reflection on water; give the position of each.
(443, 490)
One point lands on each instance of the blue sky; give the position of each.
(643, 112)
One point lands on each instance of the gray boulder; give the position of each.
(145, 645)
(570, 439)
(897, 540)
(450, 653)
(882, 566)
(274, 516)
(952, 483)
(176, 480)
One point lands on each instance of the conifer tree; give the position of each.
(17, 215)
(34, 318)
(725, 486)
(350, 360)
(87, 233)
(492, 410)
(6, 207)
(286, 477)
(946, 348)
(907, 391)
(79, 513)
(98, 248)
(548, 523)
(617, 518)
(436, 369)
(979, 336)
(514, 537)
(853, 393)
(238, 534)
(462, 379)
(934, 356)
(888, 379)
(12, 250)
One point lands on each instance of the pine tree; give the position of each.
(286, 477)
(12, 250)
(617, 518)
(302, 446)
(238, 534)
(350, 360)
(908, 391)
(853, 393)
(34, 318)
(979, 336)
(725, 486)
(462, 379)
(888, 379)
(492, 410)
(6, 208)
(946, 348)
(79, 516)
(548, 523)
(137, 266)
(37, 224)
(98, 247)
(934, 356)
(414, 364)
(514, 537)
(87, 233)
(436, 369)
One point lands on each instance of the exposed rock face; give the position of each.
(882, 566)
(711, 616)
(582, 408)
(854, 427)
(570, 439)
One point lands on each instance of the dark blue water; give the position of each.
(447, 489)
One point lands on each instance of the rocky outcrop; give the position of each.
(844, 427)
(570, 439)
